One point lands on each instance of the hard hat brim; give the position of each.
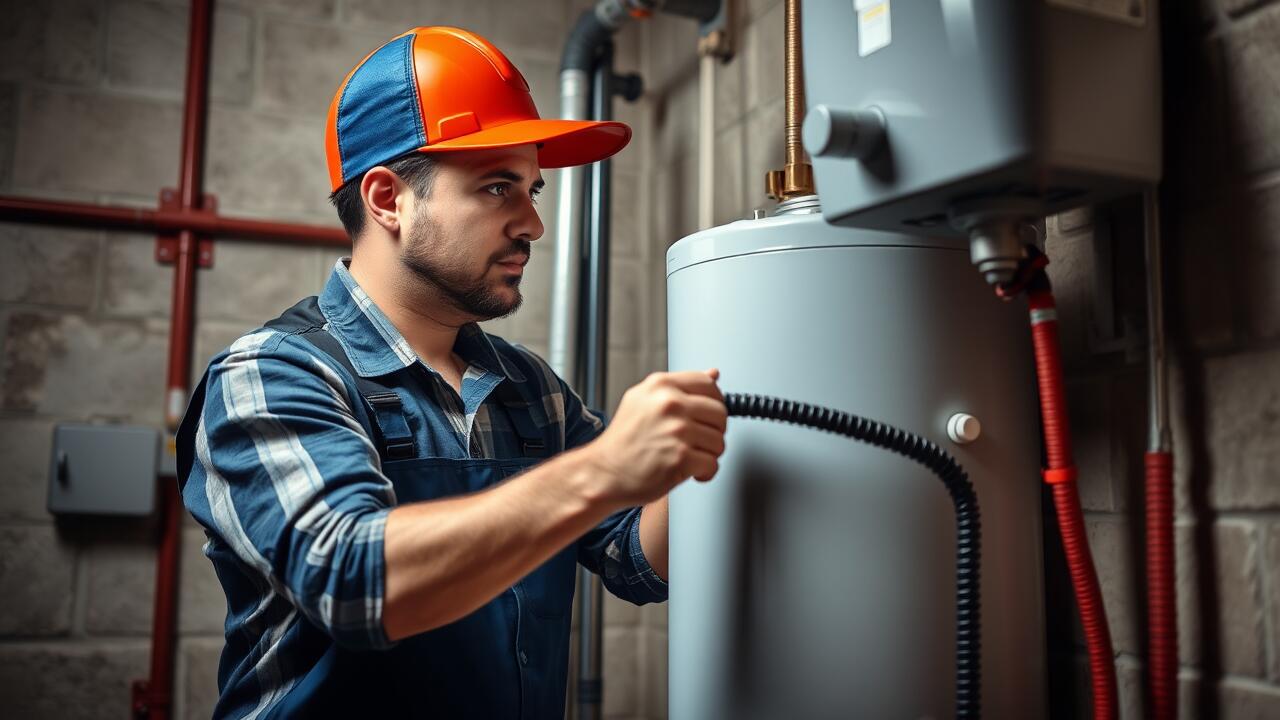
(564, 143)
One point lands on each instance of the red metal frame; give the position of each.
(166, 219)
(186, 221)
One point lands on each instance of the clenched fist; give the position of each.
(667, 428)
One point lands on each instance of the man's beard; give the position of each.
(471, 295)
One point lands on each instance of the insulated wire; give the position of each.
(963, 497)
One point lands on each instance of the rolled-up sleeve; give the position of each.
(611, 549)
(284, 474)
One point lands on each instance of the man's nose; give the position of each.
(528, 225)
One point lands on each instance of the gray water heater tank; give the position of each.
(814, 577)
(1046, 103)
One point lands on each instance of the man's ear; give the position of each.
(380, 189)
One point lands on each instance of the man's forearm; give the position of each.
(653, 535)
(445, 558)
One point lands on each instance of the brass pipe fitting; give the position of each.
(796, 177)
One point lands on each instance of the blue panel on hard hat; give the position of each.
(378, 116)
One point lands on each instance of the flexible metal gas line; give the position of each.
(968, 521)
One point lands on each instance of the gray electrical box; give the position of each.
(103, 470)
(1048, 103)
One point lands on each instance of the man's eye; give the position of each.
(533, 195)
(497, 189)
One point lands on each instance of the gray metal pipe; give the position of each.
(597, 237)
(595, 344)
(575, 92)
(578, 346)
(1160, 438)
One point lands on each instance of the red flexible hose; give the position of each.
(1162, 608)
(1060, 475)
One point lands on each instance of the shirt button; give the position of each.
(524, 659)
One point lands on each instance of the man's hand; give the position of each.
(445, 558)
(667, 428)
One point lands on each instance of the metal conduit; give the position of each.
(578, 343)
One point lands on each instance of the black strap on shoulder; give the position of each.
(533, 443)
(393, 437)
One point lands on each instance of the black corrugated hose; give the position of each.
(956, 480)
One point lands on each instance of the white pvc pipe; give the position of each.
(706, 140)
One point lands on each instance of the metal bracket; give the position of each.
(167, 243)
(714, 37)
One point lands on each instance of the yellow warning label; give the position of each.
(875, 27)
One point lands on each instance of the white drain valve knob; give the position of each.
(963, 428)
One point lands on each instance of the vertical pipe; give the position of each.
(799, 173)
(794, 79)
(595, 344)
(158, 695)
(1162, 608)
(706, 140)
(598, 242)
(1159, 438)
(574, 95)
(190, 191)
(153, 698)
(795, 179)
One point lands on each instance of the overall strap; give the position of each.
(392, 436)
(515, 398)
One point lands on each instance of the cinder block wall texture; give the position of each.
(90, 102)
(1222, 274)
(90, 110)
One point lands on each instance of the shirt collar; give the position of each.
(374, 345)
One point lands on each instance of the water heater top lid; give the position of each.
(787, 232)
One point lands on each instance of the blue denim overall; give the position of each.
(505, 660)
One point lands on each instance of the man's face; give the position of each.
(470, 237)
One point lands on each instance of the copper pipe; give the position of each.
(796, 177)
(794, 82)
(55, 212)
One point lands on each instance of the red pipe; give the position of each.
(1061, 477)
(153, 698)
(1162, 608)
(159, 693)
(21, 209)
(195, 99)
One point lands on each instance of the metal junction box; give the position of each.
(1053, 103)
(103, 470)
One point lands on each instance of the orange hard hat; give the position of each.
(437, 89)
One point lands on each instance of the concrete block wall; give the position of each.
(90, 109)
(1222, 270)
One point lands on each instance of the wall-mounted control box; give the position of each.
(915, 109)
(103, 469)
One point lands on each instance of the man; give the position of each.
(388, 506)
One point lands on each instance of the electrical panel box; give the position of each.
(1050, 103)
(103, 470)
